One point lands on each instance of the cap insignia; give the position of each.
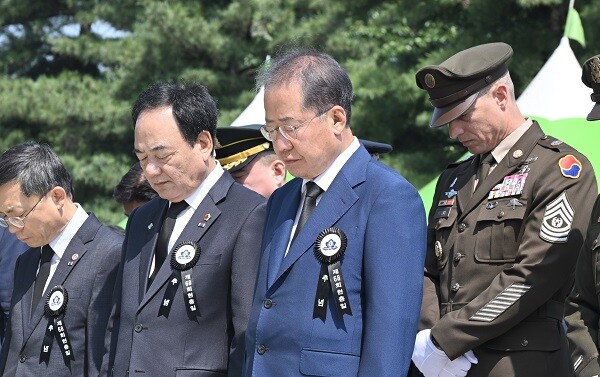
(429, 80)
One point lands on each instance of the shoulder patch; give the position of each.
(570, 166)
(557, 220)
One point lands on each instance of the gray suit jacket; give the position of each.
(89, 280)
(141, 342)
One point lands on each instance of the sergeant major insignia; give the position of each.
(557, 220)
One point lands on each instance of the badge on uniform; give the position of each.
(557, 220)
(511, 185)
(570, 166)
(55, 307)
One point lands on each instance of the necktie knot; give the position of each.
(313, 190)
(47, 254)
(176, 208)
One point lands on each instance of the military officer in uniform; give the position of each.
(583, 305)
(504, 230)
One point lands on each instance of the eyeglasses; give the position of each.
(18, 221)
(287, 131)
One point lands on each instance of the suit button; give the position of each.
(455, 287)
(22, 358)
(268, 304)
(138, 328)
(261, 349)
(457, 257)
(462, 227)
(524, 342)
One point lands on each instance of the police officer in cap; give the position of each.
(503, 229)
(583, 304)
(250, 158)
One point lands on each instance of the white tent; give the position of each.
(556, 92)
(254, 113)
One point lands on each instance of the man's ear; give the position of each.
(338, 115)
(59, 196)
(205, 142)
(278, 169)
(501, 95)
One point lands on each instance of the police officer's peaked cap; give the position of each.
(375, 147)
(453, 85)
(591, 78)
(236, 147)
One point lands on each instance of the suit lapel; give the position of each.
(147, 251)
(194, 230)
(505, 167)
(72, 255)
(282, 234)
(334, 203)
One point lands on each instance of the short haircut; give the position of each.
(36, 168)
(193, 107)
(133, 187)
(324, 82)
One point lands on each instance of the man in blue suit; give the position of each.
(338, 289)
(10, 249)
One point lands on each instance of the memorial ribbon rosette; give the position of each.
(330, 246)
(183, 258)
(55, 308)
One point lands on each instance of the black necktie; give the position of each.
(310, 202)
(162, 244)
(43, 273)
(484, 168)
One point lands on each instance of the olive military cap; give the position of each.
(236, 147)
(375, 147)
(454, 84)
(591, 78)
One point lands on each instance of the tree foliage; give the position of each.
(71, 69)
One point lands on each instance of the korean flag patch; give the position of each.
(557, 221)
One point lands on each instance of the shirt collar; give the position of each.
(325, 179)
(198, 196)
(505, 145)
(61, 241)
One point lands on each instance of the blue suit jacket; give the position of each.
(10, 249)
(383, 218)
(144, 344)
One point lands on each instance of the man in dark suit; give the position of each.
(64, 283)
(186, 281)
(504, 229)
(341, 297)
(10, 249)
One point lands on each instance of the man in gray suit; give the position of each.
(63, 284)
(190, 256)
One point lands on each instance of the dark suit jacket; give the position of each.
(10, 249)
(89, 282)
(383, 218)
(144, 343)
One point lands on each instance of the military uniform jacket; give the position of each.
(583, 305)
(87, 271)
(227, 226)
(500, 260)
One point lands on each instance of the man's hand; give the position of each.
(427, 357)
(459, 366)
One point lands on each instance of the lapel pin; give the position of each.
(206, 216)
(201, 224)
(517, 154)
(150, 226)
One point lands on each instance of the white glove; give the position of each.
(459, 366)
(427, 357)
